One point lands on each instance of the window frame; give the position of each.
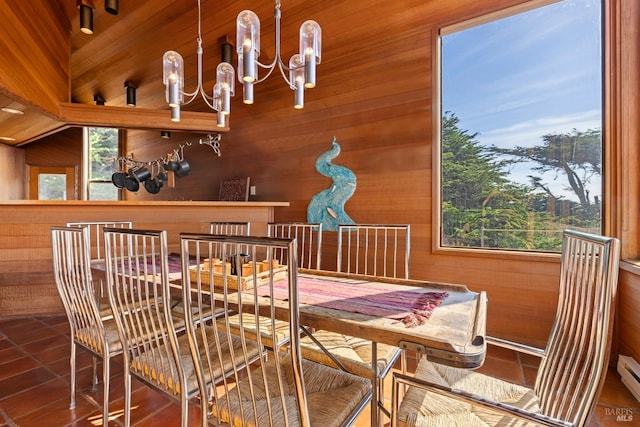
(442, 29)
(86, 163)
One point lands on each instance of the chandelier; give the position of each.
(299, 75)
(302, 66)
(173, 78)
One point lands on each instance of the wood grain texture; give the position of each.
(376, 94)
(26, 277)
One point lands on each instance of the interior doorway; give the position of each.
(52, 183)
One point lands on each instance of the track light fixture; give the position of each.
(98, 99)
(111, 6)
(86, 16)
(131, 94)
(165, 134)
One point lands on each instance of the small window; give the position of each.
(521, 127)
(101, 146)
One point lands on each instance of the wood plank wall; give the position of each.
(12, 166)
(375, 94)
(26, 276)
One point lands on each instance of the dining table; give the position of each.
(442, 321)
(445, 322)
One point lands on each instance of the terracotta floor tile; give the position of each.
(35, 375)
(57, 414)
(23, 402)
(17, 366)
(24, 381)
(11, 354)
(502, 368)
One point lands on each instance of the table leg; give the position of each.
(375, 409)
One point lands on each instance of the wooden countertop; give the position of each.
(139, 203)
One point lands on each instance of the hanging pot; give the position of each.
(153, 186)
(140, 174)
(183, 168)
(131, 183)
(118, 179)
(171, 165)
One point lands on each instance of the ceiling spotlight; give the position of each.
(11, 110)
(165, 134)
(98, 99)
(131, 94)
(111, 6)
(86, 16)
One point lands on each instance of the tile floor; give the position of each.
(34, 384)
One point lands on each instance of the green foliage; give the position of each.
(481, 207)
(104, 149)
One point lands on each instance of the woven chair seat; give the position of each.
(331, 396)
(281, 331)
(87, 337)
(163, 371)
(353, 353)
(421, 409)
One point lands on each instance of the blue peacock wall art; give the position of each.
(327, 207)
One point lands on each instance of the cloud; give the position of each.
(529, 132)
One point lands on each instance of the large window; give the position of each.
(521, 127)
(101, 147)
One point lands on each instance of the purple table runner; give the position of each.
(411, 307)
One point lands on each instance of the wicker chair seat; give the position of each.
(421, 409)
(162, 370)
(86, 336)
(353, 353)
(332, 395)
(281, 331)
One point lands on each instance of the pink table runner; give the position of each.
(411, 307)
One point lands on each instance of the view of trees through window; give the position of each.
(521, 139)
(103, 150)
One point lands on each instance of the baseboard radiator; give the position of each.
(629, 371)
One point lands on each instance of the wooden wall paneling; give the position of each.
(12, 174)
(203, 180)
(628, 318)
(26, 278)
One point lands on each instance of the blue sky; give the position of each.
(528, 75)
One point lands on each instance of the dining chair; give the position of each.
(279, 388)
(72, 274)
(573, 364)
(230, 228)
(96, 242)
(96, 238)
(156, 350)
(309, 237)
(372, 250)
